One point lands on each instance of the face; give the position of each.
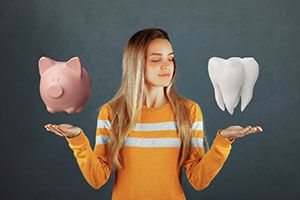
(159, 61)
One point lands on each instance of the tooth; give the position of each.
(233, 79)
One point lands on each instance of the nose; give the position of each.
(55, 91)
(166, 65)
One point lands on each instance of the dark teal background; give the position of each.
(36, 164)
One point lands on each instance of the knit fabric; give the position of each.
(150, 155)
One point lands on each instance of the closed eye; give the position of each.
(159, 60)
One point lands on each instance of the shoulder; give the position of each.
(191, 104)
(105, 111)
(194, 109)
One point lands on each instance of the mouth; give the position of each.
(165, 75)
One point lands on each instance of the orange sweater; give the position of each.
(150, 156)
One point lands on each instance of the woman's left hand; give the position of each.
(233, 132)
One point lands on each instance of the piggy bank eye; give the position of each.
(57, 79)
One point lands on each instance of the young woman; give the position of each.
(148, 132)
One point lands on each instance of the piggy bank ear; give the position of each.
(44, 64)
(75, 65)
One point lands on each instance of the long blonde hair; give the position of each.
(127, 102)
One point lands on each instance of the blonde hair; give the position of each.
(127, 102)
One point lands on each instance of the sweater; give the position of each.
(150, 155)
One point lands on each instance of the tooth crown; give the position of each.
(233, 79)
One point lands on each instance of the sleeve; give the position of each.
(200, 167)
(94, 163)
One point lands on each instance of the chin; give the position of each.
(161, 83)
(164, 84)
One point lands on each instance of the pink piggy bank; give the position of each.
(64, 86)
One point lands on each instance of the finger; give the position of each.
(62, 129)
(47, 125)
(55, 127)
(259, 128)
(244, 130)
(252, 130)
(54, 131)
(255, 129)
(59, 130)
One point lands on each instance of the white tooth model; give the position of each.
(233, 78)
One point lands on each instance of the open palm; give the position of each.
(63, 130)
(233, 132)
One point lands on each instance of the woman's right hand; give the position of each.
(63, 130)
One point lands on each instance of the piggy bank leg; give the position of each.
(79, 109)
(50, 109)
(71, 110)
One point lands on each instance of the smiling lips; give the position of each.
(165, 75)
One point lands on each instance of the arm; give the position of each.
(93, 163)
(202, 168)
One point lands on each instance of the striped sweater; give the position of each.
(150, 156)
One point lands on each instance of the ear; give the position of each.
(75, 65)
(44, 64)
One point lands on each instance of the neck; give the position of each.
(155, 97)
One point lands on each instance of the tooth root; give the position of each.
(251, 69)
(237, 99)
(230, 99)
(219, 98)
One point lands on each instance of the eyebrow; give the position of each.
(160, 54)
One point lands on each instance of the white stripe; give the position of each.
(155, 126)
(197, 142)
(198, 125)
(151, 142)
(103, 124)
(101, 139)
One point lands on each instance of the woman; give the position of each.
(148, 132)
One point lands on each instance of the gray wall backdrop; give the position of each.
(36, 164)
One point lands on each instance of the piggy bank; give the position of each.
(64, 86)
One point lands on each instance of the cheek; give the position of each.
(172, 69)
(151, 69)
(149, 73)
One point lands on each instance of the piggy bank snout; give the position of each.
(55, 91)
